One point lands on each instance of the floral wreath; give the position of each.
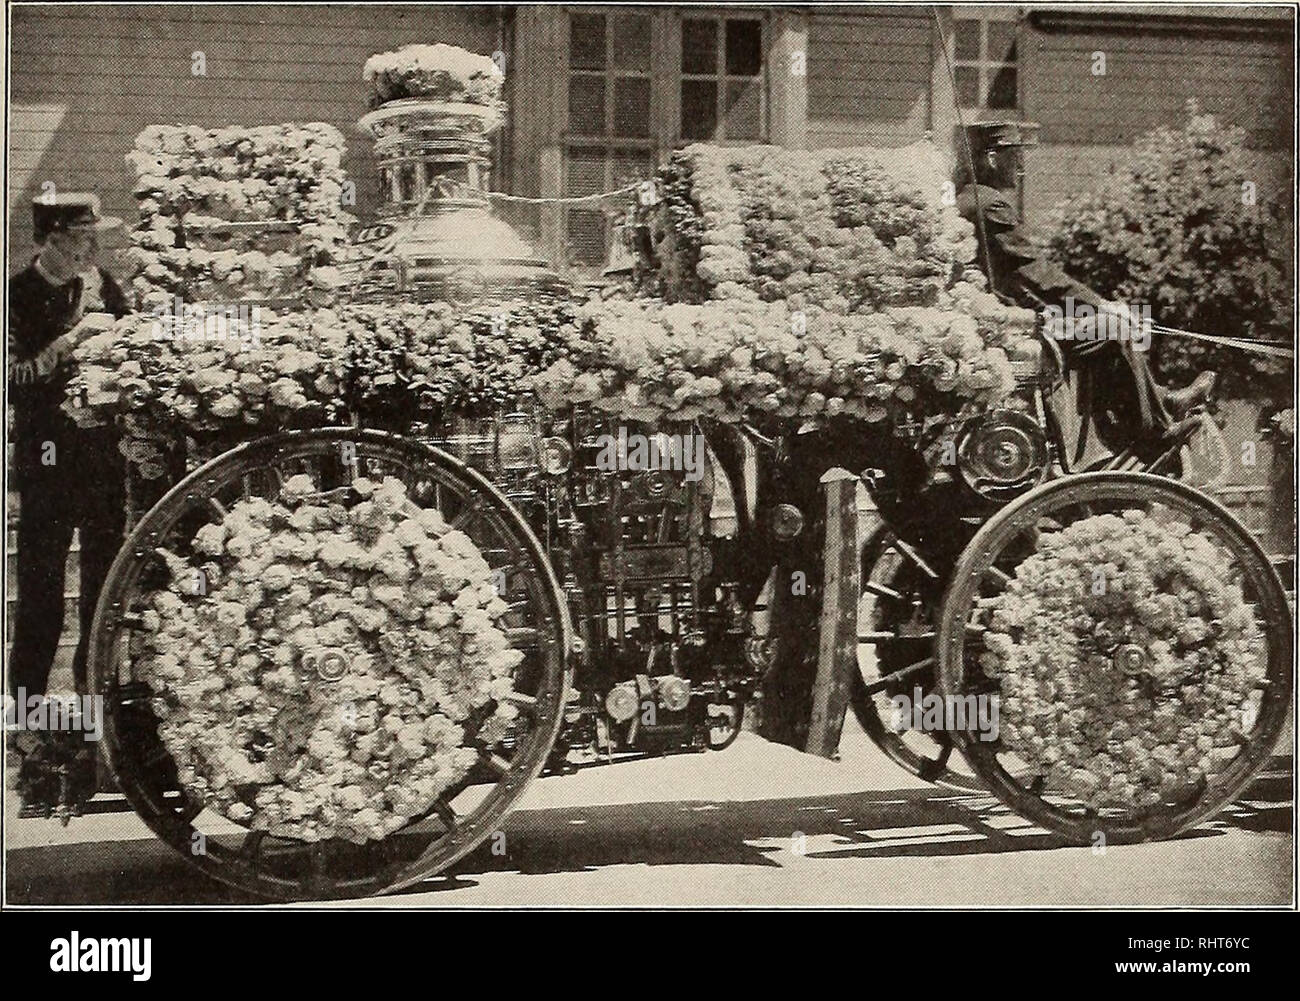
(1126, 660)
(321, 667)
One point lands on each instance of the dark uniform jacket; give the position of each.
(39, 314)
(1020, 270)
(1116, 387)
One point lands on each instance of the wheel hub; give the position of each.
(1130, 659)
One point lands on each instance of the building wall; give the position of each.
(1240, 71)
(87, 80)
(869, 73)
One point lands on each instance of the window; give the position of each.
(984, 58)
(640, 79)
(609, 123)
(722, 94)
(609, 75)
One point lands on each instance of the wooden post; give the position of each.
(552, 216)
(841, 590)
(788, 76)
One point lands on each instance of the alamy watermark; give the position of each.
(933, 713)
(682, 453)
(207, 321)
(67, 713)
(1081, 321)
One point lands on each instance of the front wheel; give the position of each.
(896, 663)
(1136, 644)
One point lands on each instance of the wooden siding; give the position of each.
(868, 75)
(1245, 79)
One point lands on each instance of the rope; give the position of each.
(1277, 349)
(560, 200)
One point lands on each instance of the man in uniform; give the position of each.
(1113, 383)
(67, 477)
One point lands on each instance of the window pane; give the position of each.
(632, 42)
(968, 86)
(966, 38)
(744, 48)
(632, 106)
(1002, 41)
(631, 165)
(699, 46)
(586, 173)
(1002, 89)
(743, 110)
(587, 41)
(699, 109)
(587, 105)
(586, 234)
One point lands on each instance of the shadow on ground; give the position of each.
(913, 823)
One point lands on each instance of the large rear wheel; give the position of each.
(377, 828)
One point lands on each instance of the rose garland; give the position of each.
(435, 356)
(847, 230)
(381, 596)
(742, 361)
(1096, 732)
(751, 360)
(158, 377)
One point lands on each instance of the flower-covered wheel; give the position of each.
(331, 661)
(1139, 645)
(901, 593)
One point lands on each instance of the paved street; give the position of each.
(723, 828)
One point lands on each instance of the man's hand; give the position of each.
(90, 325)
(1114, 322)
(59, 351)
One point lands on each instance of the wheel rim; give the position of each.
(984, 572)
(896, 639)
(464, 814)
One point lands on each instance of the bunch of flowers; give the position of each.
(442, 357)
(753, 360)
(340, 667)
(55, 768)
(1108, 584)
(856, 229)
(191, 181)
(644, 360)
(1170, 228)
(283, 370)
(441, 72)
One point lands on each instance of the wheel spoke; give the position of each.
(250, 848)
(881, 591)
(932, 768)
(902, 548)
(472, 509)
(446, 814)
(893, 677)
